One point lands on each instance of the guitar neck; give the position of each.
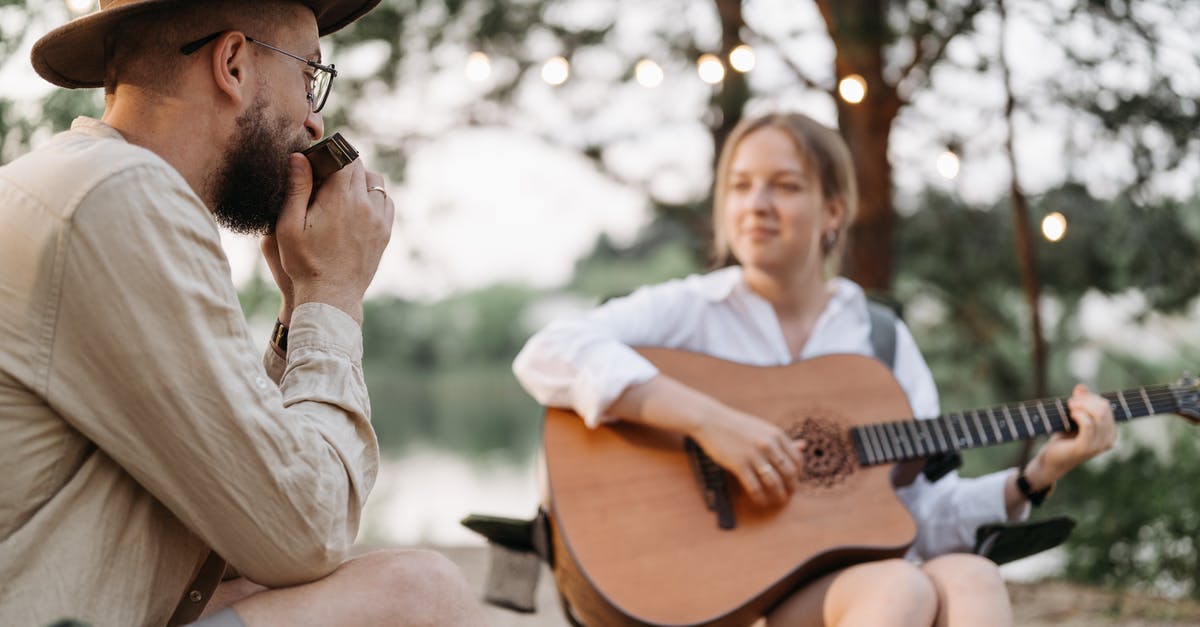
(904, 440)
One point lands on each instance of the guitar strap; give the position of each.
(883, 344)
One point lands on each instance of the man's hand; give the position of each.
(329, 243)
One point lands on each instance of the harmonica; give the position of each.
(330, 155)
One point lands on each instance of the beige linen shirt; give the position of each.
(138, 429)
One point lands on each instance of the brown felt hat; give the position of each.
(72, 55)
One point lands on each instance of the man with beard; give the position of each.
(143, 442)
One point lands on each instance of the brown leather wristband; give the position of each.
(279, 337)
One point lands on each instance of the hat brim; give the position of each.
(72, 55)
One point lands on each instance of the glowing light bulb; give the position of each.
(947, 164)
(853, 89)
(710, 69)
(479, 67)
(742, 58)
(648, 73)
(1054, 226)
(79, 7)
(556, 71)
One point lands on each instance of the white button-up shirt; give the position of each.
(585, 363)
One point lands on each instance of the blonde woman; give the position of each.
(785, 193)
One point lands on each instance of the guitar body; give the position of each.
(635, 544)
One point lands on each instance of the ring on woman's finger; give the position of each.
(376, 188)
(763, 469)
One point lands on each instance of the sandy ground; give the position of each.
(1043, 604)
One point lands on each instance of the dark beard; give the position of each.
(252, 186)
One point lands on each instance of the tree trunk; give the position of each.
(1023, 239)
(859, 31)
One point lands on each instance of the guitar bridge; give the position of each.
(713, 484)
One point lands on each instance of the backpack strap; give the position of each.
(883, 333)
(883, 344)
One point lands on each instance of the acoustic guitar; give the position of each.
(647, 530)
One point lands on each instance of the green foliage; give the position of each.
(1139, 518)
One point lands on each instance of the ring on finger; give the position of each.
(376, 188)
(763, 469)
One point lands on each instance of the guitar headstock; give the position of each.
(1187, 394)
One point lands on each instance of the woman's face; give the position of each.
(775, 212)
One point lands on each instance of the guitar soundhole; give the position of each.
(827, 458)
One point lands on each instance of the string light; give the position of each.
(853, 89)
(556, 71)
(947, 164)
(742, 58)
(79, 7)
(648, 73)
(479, 67)
(710, 69)
(1054, 226)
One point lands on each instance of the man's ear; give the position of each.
(231, 66)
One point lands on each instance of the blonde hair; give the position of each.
(820, 148)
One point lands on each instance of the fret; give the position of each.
(942, 445)
(995, 425)
(979, 427)
(1028, 422)
(1008, 420)
(928, 435)
(917, 439)
(965, 428)
(874, 453)
(1045, 418)
(1124, 405)
(1062, 415)
(860, 447)
(881, 433)
(901, 439)
(1146, 397)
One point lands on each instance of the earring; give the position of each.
(829, 240)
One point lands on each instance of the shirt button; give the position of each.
(195, 596)
(260, 382)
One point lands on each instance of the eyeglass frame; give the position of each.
(191, 47)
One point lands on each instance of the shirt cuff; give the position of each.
(324, 327)
(274, 363)
(595, 389)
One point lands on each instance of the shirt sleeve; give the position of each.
(585, 362)
(949, 510)
(152, 362)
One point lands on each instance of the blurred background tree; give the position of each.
(1112, 82)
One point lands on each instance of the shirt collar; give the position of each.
(95, 128)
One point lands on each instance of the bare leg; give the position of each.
(389, 587)
(874, 594)
(970, 591)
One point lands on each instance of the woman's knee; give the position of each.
(964, 571)
(889, 592)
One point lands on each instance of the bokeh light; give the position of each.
(948, 165)
(479, 67)
(742, 58)
(853, 89)
(710, 69)
(1054, 226)
(648, 73)
(556, 71)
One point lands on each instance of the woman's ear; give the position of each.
(835, 213)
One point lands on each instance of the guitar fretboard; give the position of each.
(891, 442)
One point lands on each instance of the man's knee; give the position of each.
(398, 570)
(420, 585)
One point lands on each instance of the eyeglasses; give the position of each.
(319, 84)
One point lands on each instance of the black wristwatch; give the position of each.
(1035, 498)
(279, 337)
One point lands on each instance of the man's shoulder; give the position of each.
(63, 172)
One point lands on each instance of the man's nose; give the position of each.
(315, 125)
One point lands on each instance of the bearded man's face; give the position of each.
(252, 185)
